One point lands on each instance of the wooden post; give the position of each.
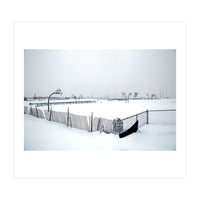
(147, 117)
(91, 122)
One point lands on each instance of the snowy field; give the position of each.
(44, 135)
(114, 109)
(40, 134)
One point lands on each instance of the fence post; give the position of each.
(147, 117)
(37, 111)
(91, 122)
(31, 111)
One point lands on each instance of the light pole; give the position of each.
(58, 91)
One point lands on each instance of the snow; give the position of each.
(115, 109)
(159, 134)
(40, 134)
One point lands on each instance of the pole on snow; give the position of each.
(58, 91)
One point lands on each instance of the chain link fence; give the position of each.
(162, 117)
(129, 121)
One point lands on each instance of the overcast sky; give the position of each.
(99, 72)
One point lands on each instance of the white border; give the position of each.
(99, 164)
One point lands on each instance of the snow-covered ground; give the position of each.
(160, 134)
(40, 134)
(115, 109)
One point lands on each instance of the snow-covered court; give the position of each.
(159, 134)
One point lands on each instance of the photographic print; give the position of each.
(100, 99)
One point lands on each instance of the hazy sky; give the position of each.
(99, 72)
